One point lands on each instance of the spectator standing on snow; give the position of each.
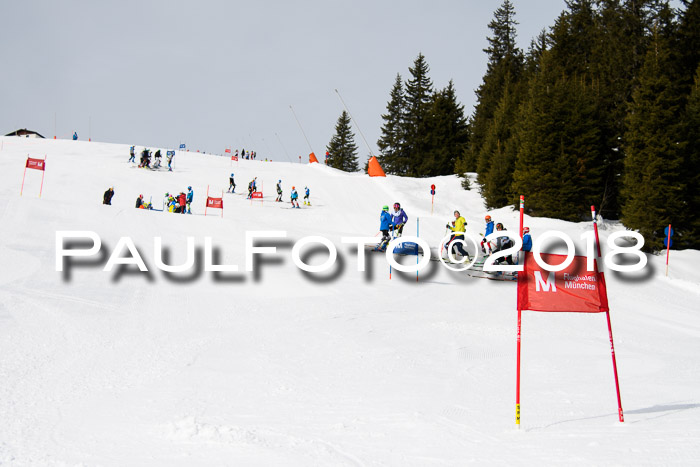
(107, 197)
(190, 197)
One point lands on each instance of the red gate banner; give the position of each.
(215, 202)
(234, 157)
(38, 164)
(573, 289)
(228, 150)
(256, 194)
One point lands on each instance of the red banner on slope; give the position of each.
(574, 289)
(38, 164)
(215, 202)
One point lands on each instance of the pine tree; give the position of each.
(500, 151)
(690, 221)
(558, 166)
(419, 91)
(392, 145)
(653, 187)
(342, 148)
(689, 38)
(446, 134)
(505, 62)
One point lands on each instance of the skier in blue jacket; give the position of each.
(489, 231)
(190, 197)
(527, 239)
(295, 198)
(384, 225)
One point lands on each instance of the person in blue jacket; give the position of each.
(398, 219)
(489, 231)
(295, 198)
(190, 196)
(527, 239)
(75, 136)
(384, 226)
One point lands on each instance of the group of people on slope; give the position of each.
(253, 188)
(145, 161)
(141, 204)
(458, 227)
(181, 204)
(294, 195)
(171, 203)
(395, 221)
(247, 154)
(391, 222)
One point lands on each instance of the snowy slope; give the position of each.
(279, 367)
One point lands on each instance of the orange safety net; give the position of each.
(374, 169)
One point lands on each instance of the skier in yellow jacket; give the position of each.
(458, 228)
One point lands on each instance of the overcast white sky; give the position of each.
(214, 74)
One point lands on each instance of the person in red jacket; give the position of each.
(182, 199)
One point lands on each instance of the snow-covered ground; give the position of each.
(281, 367)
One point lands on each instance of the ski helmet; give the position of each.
(397, 206)
(499, 226)
(487, 218)
(189, 187)
(293, 188)
(279, 181)
(385, 208)
(526, 230)
(232, 175)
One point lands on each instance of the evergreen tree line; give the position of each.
(603, 109)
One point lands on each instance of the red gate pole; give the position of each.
(42, 177)
(520, 313)
(668, 247)
(222, 203)
(417, 235)
(207, 203)
(23, 175)
(620, 414)
(517, 385)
